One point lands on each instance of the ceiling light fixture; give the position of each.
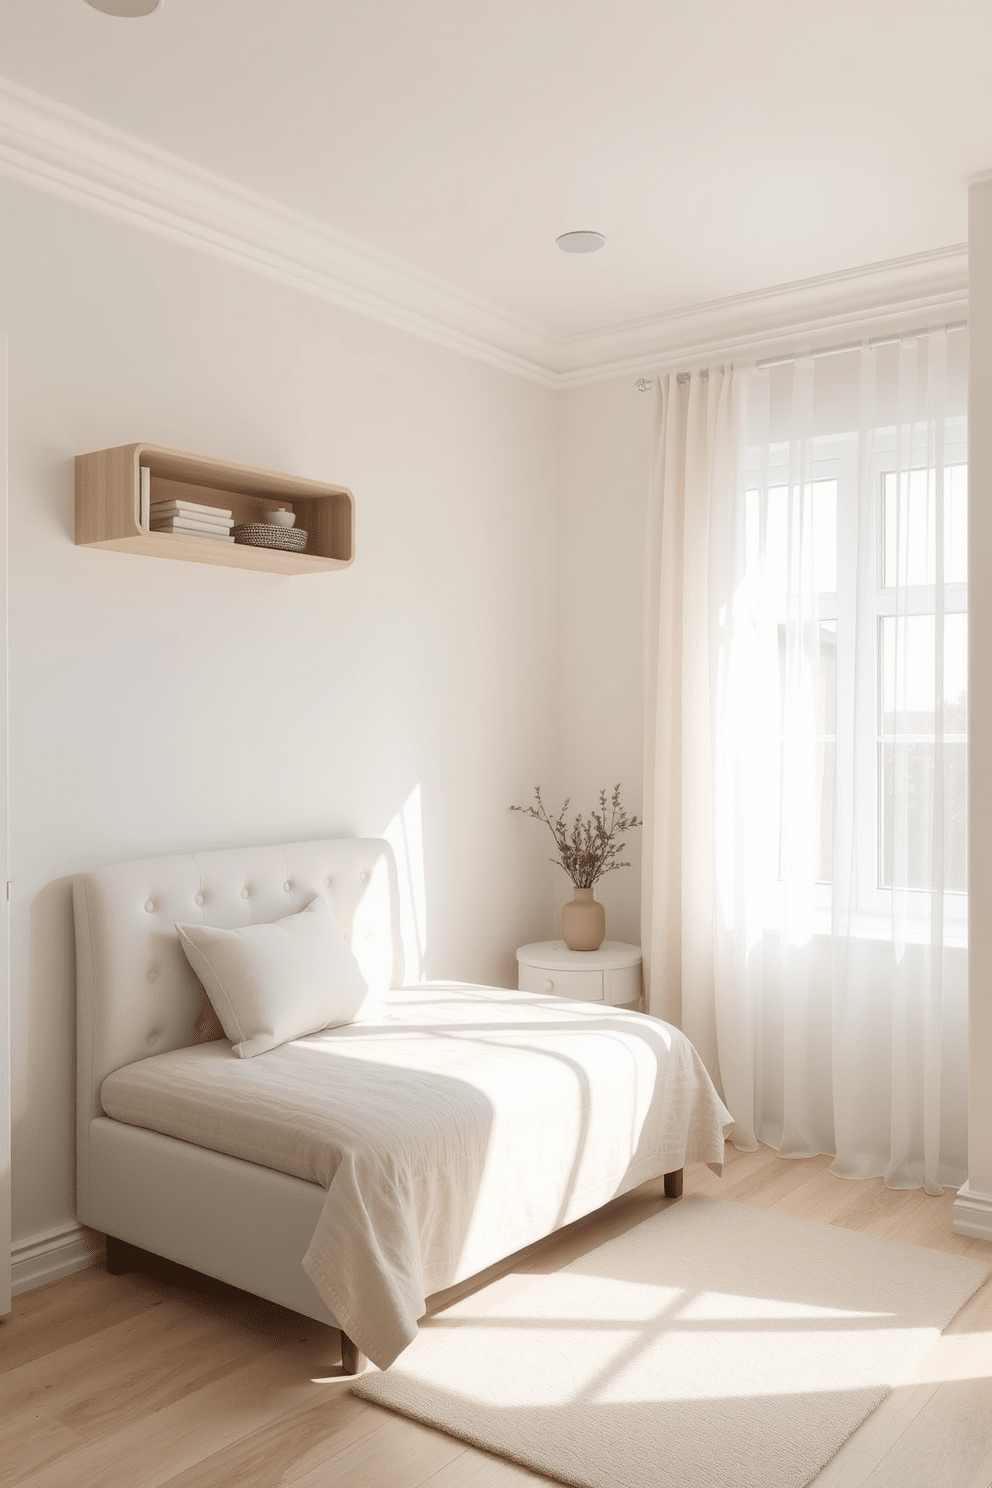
(580, 242)
(125, 7)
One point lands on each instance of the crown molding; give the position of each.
(900, 294)
(61, 151)
(71, 155)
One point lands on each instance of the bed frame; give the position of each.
(136, 996)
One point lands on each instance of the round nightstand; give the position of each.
(611, 975)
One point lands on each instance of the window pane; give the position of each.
(956, 524)
(956, 817)
(909, 524)
(955, 674)
(791, 544)
(916, 825)
(818, 662)
(908, 673)
(911, 818)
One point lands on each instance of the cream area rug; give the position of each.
(712, 1346)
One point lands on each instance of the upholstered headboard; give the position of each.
(136, 994)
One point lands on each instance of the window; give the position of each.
(884, 668)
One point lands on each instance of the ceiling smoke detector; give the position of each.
(580, 242)
(125, 7)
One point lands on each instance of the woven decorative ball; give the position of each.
(265, 535)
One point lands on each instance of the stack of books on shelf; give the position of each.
(190, 519)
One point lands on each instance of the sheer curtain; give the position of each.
(804, 906)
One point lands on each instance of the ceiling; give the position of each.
(722, 147)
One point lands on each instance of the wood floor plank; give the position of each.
(982, 1476)
(738, 1179)
(206, 1423)
(401, 1453)
(131, 1370)
(946, 1443)
(31, 1439)
(928, 1221)
(876, 1209)
(54, 1316)
(771, 1182)
(875, 1439)
(287, 1448)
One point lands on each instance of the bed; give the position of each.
(351, 1173)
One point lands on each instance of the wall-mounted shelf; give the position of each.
(108, 495)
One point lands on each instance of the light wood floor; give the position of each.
(128, 1382)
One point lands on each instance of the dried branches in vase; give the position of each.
(588, 848)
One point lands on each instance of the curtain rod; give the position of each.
(645, 384)
(873, 341)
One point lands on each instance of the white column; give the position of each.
(973, 1205)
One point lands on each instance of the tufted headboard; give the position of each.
(136, 994)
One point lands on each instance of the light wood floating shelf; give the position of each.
(108, 495)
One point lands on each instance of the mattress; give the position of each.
(466, 1124)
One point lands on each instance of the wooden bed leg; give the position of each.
(353, 1361)
(121, 1257)
(673, 1184)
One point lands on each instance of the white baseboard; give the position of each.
(49, 1257)
(973, 1214)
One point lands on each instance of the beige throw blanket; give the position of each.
(468, 1124)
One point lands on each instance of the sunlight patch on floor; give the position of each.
(954, 1356)
(707, 1346)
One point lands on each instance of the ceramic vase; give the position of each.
(583, 922)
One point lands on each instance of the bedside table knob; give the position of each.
(547, 986)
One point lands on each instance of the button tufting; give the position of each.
(150, 905)
(199, 898)
(152, 974)
(244, 893)
(328, 882)
(285, 888)
(364, 875)
(152, 1038)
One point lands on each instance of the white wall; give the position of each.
(158, 707)
(604, 439)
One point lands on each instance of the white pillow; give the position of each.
(270, 983)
